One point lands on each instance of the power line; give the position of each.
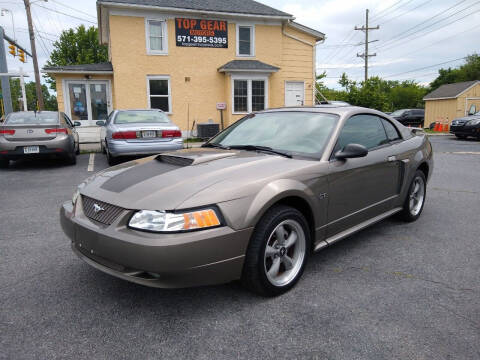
(386, 9)
(406, 12)
(394, 10)
(71, 8)
(440, 28)
(402, 34)
(62, 13)
(426, 67)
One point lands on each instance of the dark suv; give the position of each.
(412, 117)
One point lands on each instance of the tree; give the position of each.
(49, 99)
(466, 72)
(75, 47)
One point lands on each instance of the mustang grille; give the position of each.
(100, 211)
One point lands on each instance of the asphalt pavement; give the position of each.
(393, 291)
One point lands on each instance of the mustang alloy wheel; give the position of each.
(415, 200)
(278, 252)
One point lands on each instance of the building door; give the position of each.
(87, 101)
(294, 93)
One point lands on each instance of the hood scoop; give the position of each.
(194, 158)
(175, 160)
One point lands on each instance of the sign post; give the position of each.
(7, 97)
(221, 107)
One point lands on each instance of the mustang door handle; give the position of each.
(392, 158)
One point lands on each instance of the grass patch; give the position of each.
(193, 140)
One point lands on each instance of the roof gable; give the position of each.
(224, 6)
(451, 91)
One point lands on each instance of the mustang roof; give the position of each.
(226, 6)
(450, 91)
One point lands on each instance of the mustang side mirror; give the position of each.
(351, 151)
(101, 122)
(77, 123)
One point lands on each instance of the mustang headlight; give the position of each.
(474, 122)
(75, 196)
(162, 221)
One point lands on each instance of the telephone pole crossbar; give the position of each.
(366, 55)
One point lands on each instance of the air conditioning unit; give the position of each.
(206, 131)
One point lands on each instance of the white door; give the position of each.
(294, 93)
(87, 101)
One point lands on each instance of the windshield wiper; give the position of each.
(260, 148)
(217, 146)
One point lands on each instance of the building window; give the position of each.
(245, 40)
(157, 40)
(159, 94)
(249, 95)
(240, 96)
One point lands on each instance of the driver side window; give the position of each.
(366, 130)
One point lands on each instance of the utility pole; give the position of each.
(5, 79)
(38, 86)
(366, 55)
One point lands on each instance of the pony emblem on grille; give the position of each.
(97, 208)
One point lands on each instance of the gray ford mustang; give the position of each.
(254, 202)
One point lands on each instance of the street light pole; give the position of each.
(38, 86)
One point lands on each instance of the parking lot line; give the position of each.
(91, 162)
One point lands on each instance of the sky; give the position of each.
(415, 39)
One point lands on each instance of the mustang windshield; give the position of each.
(295, 132)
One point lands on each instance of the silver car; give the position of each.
(138, 132)
(31, 134)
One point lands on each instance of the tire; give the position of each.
(72, 158)
(103, 146)
(110, 159)
(265, 269)
(461, 136)
(4, 163)
(77, 152)
(415, 200)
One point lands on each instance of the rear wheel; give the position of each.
(413, 206)
(72, 158)
(110, 159)
(277, 253)
(4, 163)
(460, 136)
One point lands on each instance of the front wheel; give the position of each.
(413, 206)
(278, 252)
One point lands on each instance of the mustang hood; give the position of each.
(164, 182)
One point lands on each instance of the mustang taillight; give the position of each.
(7, 132)
(56, 131)
(122, 135)
(171, 133)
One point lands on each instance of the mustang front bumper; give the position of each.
(197, 258)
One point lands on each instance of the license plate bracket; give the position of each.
(31, 149)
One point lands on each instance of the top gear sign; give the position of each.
(201, 33)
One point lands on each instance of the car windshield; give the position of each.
(302, 133)
(397, 113)
(144, 117)
(26, 118)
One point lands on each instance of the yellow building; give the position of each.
(452, 101)
(190, 58)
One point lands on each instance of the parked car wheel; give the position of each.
(102, 143)
(110, 159)
(4, 163)
(72, 158)
(413, 206)
(461, 136)
(278, 252)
